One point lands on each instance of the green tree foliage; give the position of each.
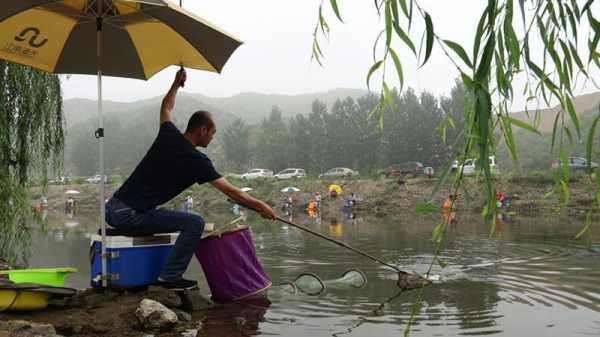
(271, 150)
(236, 145)
(317, 140)
(345, 136)
(32, 134)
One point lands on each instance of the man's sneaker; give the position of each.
(181, 284)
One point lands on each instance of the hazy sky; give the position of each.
(275, 56)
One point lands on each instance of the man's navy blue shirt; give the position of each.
(171, 165)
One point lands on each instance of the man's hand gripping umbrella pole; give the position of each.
(406, 281)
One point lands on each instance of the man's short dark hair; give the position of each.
(199, 119)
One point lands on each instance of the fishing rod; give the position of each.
(339, 243)
(406, 280)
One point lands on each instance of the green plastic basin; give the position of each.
(54, 277)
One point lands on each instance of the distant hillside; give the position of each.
(78, 110)
(583, 104)
(253, 107)
(131, 127)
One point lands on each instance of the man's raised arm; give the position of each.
(244, 199)
(169, 101)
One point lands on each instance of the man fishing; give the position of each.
(171, 165)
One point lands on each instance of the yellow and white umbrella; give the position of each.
(123, 38)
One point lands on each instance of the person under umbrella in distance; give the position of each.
(171, 165)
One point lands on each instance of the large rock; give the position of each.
(154, 315)
(27, 329)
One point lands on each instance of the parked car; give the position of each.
(62, 180)
(290, 173)
(257, 173)
(470, 166)
(96, 179)
(575, 163)
(339, 172)
(413, 168)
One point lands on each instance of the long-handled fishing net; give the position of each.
(406, 281)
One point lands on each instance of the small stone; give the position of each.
(154, 315)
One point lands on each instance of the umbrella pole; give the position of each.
(100, 136)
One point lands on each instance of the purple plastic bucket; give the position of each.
(232, 270)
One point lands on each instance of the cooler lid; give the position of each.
(128, 241)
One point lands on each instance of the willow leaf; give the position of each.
(567, 132)
(388, 97)
(586, 6)
(441, 181)
(564, 163)
(388, 25)
(336, 10)
(404, 37)
(436, 234)
(430, 36)
(554, 131)
(576, 9)
(561, 13)
(586, 227)
(576, 57)
(395, 17)
(523, 125)
(573, 115)
(398, 66)
(567, 60)
(404, 7)
(590, 144)
(483, 69)
(459, 50)
(572, 22)
(478, 35)
(374, 67)
(508, 137)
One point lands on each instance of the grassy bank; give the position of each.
(529, 193)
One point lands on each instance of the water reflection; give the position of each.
(533, 279)
(238, 319)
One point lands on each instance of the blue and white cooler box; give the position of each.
(132, 261)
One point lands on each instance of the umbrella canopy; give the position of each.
(246, 189)
(140, 37)
(124, 38)
(290, 189)
(336, 188)
(72, 192)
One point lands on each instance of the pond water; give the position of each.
(529, 279)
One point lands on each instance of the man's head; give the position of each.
(200, 129)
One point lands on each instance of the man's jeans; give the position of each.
(189, 226)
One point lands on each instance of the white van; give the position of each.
(470, 166)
